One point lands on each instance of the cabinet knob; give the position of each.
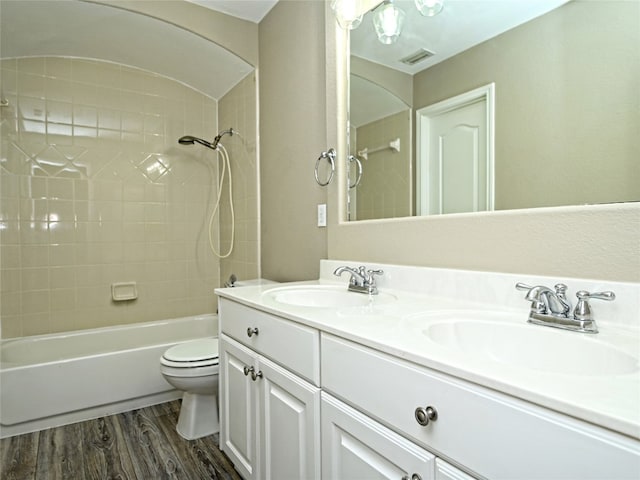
(255, 375)
(252, 331)
(415, 476)
(423, 415)
(247, 370)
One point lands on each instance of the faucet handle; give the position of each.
(371, 273)
(533, 295)
(583, 309)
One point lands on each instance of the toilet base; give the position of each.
(198, 416)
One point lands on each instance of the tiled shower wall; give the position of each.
(237, 110)
(95, 190)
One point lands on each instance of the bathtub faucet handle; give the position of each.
(231, 282)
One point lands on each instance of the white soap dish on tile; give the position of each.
(123, 291)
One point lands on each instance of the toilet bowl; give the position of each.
(193, 368)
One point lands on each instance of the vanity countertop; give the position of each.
(609, 400)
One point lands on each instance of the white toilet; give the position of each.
(193, 368)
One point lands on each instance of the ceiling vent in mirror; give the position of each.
(418, 56)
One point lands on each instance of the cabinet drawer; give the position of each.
(490, 433)
(294, 346)
(356, 447)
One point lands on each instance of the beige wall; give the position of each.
(601, 242)
(96, 190)
(567, 103)
(292, 135)
(237, 110)
(385, 188)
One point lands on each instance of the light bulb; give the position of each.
(388, 20)
(348, 13)
(429, 8)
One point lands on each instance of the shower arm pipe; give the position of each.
(216, 140)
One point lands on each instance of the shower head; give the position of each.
(189, 140)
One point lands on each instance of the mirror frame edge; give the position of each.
(337, 72)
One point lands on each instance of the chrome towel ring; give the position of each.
(353, 158)
(330, 155)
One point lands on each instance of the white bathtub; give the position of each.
(53, 380)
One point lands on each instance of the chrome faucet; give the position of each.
(544, 300)
(362, 280)
(552, 308)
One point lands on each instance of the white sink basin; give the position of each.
(325, 296)
(524, 345)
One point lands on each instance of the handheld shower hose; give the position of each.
(226, 167)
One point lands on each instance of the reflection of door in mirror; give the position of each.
(454, 154)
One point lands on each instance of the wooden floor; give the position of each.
(139, 445)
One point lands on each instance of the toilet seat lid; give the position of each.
(205, 349)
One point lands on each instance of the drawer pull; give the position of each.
(255, 375)
(423, 415)
(415, 476)
(247, 370)
(252, 331)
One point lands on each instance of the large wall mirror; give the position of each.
(566, 99)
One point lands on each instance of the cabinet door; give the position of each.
(289, 425)
(356, 447)
(238, 413)
(444, 471)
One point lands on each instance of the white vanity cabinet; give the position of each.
(445, 471)
(485, 432)
(270, 415)
(298, 403)
(355, 447)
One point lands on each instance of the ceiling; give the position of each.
(73, 28)
(461, 25)
(252, 10)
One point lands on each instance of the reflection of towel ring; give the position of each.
(353, 158)
(330, 155)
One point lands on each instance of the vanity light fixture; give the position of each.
(387, 17)
(346, 12)
(429, 8)
(388, 20)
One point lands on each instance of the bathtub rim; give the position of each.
(70, 334)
